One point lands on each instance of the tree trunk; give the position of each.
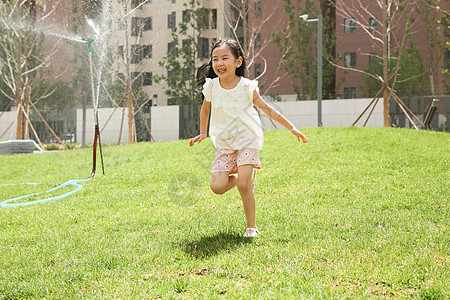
(128, 83)
(386, 107)
(19, 130)
(130, 112)
(385, 63)
(26, 130)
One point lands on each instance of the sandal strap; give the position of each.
(252, 229)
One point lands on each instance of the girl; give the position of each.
(235, 127)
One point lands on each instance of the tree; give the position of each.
(437, 23)
(394, 21)
(298, 55)
(412, 79)
(246, 21)
(187, 49)
(127, 57)
(22, 60)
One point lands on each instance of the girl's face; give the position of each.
(224, 63)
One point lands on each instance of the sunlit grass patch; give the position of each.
(354, 213)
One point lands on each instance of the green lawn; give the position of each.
(355, 213)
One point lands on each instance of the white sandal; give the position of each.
(251, 232)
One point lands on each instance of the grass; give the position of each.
(355, 213)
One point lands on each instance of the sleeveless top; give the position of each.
(234, 122)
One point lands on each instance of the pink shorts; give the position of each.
(230, 160)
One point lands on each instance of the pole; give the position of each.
(319, 70)
(89, 42)
(319, 21)
(83, 132)
(96, 131)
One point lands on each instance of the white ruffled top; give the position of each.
(234, 122)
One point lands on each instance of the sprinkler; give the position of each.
(89, 40)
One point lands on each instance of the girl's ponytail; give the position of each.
(205, 71)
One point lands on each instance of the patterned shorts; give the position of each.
(229, 160)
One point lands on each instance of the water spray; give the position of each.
(89, 40)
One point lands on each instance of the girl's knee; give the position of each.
(245, 185)
(217, 187)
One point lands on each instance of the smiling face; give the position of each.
(224, 63)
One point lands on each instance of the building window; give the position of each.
(258, 70)
(258, 9)
(446, 24)
(121, 77)
(204, 17)
(186, 44)
(171, 49)
(171, 21)
(258, 43)
(148, 78)
(214, 18)
(75, 6)
(134, 75)
(373, 58)
(350, 59)
(136, 56)
(120, 50)
(147, 51)
(349, 25)
(373, 23)
(186, 16)
(308, 68)
(140, 52)
(203, 48)
(148, 24)
(136, 80)
(135, 28)
(120, 24)
(136, 3)
(349, 93)
(447, 59)
(170, 79)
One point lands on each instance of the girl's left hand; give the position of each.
(299, 135)
(197, 139)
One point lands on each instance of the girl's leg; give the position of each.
(245, 187)
(222, 182)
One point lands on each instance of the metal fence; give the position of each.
(438, 112)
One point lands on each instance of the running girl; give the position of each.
(235, 126)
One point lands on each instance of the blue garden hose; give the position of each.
(74, 183)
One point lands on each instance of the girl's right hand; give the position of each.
(197, 139)
(299, 135)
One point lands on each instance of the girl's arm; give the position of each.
(204, 117)
(276, 116)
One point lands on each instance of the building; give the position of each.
(359, 32)
(143, 30)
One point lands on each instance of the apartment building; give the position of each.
(358, 43)
(143, 29)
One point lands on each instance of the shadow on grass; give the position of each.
(212, 245)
